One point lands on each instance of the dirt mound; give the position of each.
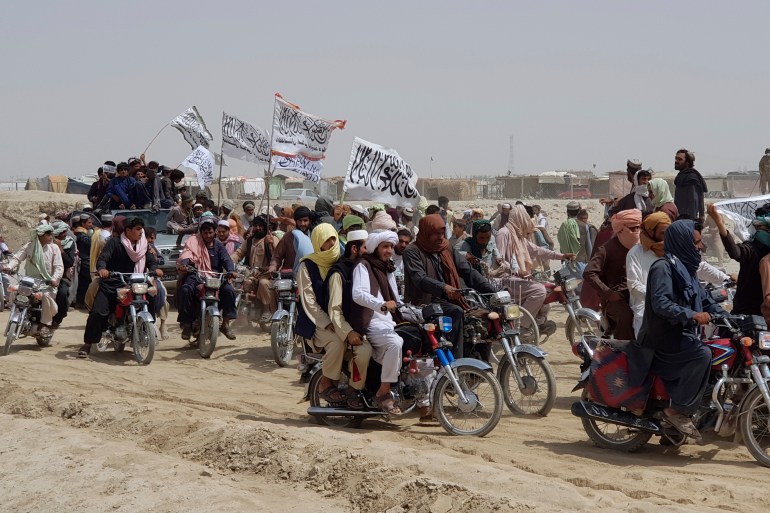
(19, 211)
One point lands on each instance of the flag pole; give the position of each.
(153, 139)
(221, 161)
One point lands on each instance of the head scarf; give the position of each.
(383, 221)
(139, 255)
(762, 235)
(661, 193)
(301, 212)
(376, 238)
(196, 251)
(38, 259)
(477, 248)
(351, 220)
(620, 224)
(641, 192)
(647, 235)
(520, 227)
(324, 259)
(680, 250)
(324, 204)
(59, 227)
(430, 225)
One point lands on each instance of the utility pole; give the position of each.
(510, 156)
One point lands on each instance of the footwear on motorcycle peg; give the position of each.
(547, 328)
(683, 424)
(186, 331)
(333, 395)
(354, 399)
(227, 332)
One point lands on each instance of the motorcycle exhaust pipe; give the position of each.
(321, 411)
(588, 410)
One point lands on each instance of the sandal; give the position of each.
(333, 395)
(387, 404)
(84, 351)
(426, 414)
(683, 424)
(354, 399)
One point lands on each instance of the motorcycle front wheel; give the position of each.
(282, 341)
(480, 414)
(10, 337)
(207, 338)
(582, 327)
(144, 341)
(538, 393)
(315, 400)
(755, 425)
(614, 436)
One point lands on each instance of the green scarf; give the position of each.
(569, 236)
(37, 258)
(660, 192)
(762, 224)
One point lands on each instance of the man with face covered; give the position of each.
(639, 197)
(257, 252)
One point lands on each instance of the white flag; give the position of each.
(193, 129)
(377, 173)
(201, 161)
(307, 168)
(243, 141)
(300, 140)
(741, 212)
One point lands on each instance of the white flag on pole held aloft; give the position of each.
(741, 212)
(243, 141)
(201, 161)
(193, 129)
(377, 173)
(300, 140)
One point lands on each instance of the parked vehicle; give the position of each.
(526, 378)
(131, 321)
(282, 339)
(576, 193)
(299, 195)
(737, 397)
(464, 394)
(25, 301)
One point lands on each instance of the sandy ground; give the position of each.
(232, 434)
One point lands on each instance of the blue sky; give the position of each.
(575, 83)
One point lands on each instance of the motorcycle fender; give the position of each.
(213, 310)
(19, 315)
(146, 316)
(587, 313)
(470, 362)
(279, 314)
(530, 349)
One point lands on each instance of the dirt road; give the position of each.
(231, 434)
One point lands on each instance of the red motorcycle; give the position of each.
(564, 290)
(616, 416)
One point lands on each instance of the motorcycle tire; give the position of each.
(753, 423)
(44, 341)
(539, 393)
(626, 439)
(207, 338)
(144, 341)
(529, 335)
(10, 337)
(315, 400)
(282, 341)
(583, 327)
(485, 405)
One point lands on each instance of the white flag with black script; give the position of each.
(741, 213)
(193, 129)
(376, 173)
(243, 141)
(201, 161)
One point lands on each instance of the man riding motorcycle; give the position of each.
(257, 251)
(125, 254)
(207, 254)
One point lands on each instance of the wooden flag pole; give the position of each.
(221, 161)
(153, 139)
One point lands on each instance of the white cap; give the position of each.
(356, 235)
(359, 209)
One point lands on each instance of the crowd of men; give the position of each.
(353, 265)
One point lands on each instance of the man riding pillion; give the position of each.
(204, 252)
(66, 245)
(339, 286)
(43, 263)
(257, 251)
(125, 254)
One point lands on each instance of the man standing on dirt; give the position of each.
(764, 172)
(690, 187)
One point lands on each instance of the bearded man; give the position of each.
(690, 187)
(606, 273)
(257, 252)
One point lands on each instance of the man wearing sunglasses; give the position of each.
(606, 273)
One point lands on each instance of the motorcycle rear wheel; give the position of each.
(10, 337)
(207, 338)
(282, 341)
(754, 420)
(539, 393)
(315, 400)
(144, 341)
(613, 436)
(481, 415)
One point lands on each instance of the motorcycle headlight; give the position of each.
(139, 288)
(763, 340)
(512, 312)
(571, 284)
(282, 285)
(213, 283)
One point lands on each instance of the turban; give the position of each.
(247, 203)
(661, 193)
(59, 227)
(228, 204)
(42, 229)
(301, 212)
(626, 219)
(383, 221)
(351, 220)
(85, 217)
(357, 235)
(377, 238)
(647, 236)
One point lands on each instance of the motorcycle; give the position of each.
(26, 308)
(131, 320)
(247, 305)
(526, 378)
(564, 290)
(736, 401)
(282, 339)
(205, 329)
(465, 396)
